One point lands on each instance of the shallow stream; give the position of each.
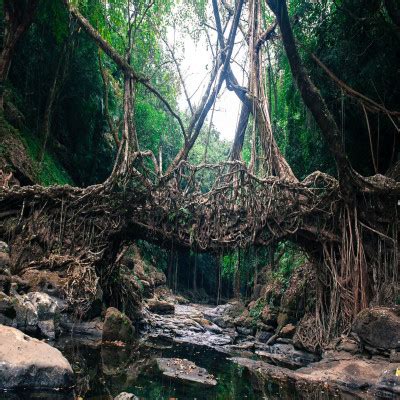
(103, 372)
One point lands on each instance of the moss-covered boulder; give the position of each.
(379, 327)
(117, 327)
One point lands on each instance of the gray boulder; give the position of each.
(38, 313)
(31, 364)
(7, 310)
(160, 307)
(379, 327)
(185, 371)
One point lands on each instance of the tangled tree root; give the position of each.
(354, 243)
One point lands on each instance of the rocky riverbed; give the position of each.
(188, 349)
(339, 370)
(231, 351)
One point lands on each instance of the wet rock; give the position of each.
(160, 307)
(379, 327)
(249, 346)
(244, 331)
(37, 313)
(244, 320)
(224, 314)
(287, 331)
(29, 363)
(394, 356)
(221, 321)
(185, 371)
(126, 396)
(285, 355)
(357, 374)
(92, 329)
(336, 375)
(117, 327)
(48, 313)
(389, 382)
(263, 336)
(188, 325)
(210, 326)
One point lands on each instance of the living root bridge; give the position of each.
(213, 208)
(238, 210)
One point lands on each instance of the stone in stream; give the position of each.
(29, 363)
(364, 378)
(185, 371)
(117, 327)
(160, 307)
(90, 329)
(37, 313)
(208, 325)
(285, 355)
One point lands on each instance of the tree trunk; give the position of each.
(273, 160)
(312, 97)
(237, 146)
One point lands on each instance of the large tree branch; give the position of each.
(370, 104)
(238, 141)
(178, 68)
(120, 61)
(348, 178)
(209, 99)
(231, 81)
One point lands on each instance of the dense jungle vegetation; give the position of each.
(67, 107)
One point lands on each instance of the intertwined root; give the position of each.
(210, 208)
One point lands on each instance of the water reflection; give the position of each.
(103, 372)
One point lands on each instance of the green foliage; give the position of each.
(229, 263)
(256, 310)
(357, 41)
(290, 258)
(49, 171)
(153, 255)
